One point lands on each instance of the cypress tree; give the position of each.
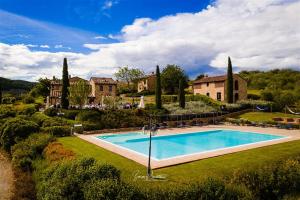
(158, 89)
(229, 83)
(181, 95)
(0, 93)
(65, 86)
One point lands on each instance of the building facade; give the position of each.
(99, 87)
(215, 87)
(147, 83)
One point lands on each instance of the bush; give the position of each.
(70, 114)
(24, 185)
(14, 130)
(56, 121)
(7, 111)
(271, 182)
(24, 152)
(8, 100)
(39, 118)
(59, 131)
(89, 116)
(55, 151)
(28, 99)
(254, 97)
(28, 110)
(75, 174)
(91, 127)
(51, 112)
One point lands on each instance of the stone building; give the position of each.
(99, 87)
(147, 83)
(215, 87)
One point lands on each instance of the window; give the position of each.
(219, 96)
(207, 84)
(101, 88)
(236, 85)
(236, 97)
(110, 88)
(207, 94)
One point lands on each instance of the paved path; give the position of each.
(6, 178)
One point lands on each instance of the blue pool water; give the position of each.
(164, 147)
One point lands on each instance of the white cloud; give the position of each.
(100, 37)
(256, 34)
(60, 46)
(108, 4)
(45, 46)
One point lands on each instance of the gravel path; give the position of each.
(6, 178)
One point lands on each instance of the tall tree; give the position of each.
(79, 93)
(229, 83)
(158, 89)
(65, 86)
(129, 75)
(181, 95)
(170, 76)
(0, 93)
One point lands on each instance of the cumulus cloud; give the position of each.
(108, 4)
(256, 34)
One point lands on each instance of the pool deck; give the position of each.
(155, 164)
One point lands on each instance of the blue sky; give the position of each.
(100, 36)
(89, 18)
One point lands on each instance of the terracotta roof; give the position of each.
(99, 80)
(213, 79)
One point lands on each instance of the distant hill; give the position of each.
(15, 85)
(284, 79)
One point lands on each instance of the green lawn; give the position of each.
(221, 166)
(264, 116)
(256, 92)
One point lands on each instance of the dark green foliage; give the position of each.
(272, 181)
(253, 97)
(169, 78)
(28, 99)
(181, 95)
(28, 110)
(39, 118)
(70, 114)
(229, 83)
(65, 86)
(15, 130)
(24, 152)
(15, 84)
(56, 121)
(111, 190)
(42, 88)
(89, 116)
(8, 100)
(7, 111)
(267, 95)
(68, 180)
(158, 89)
(51, 112)
(58, 131)
(0, 93)
(151, 109)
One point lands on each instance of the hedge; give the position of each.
(59, 131)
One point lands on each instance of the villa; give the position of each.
(147, 83)
(100, 87)
(215, 87)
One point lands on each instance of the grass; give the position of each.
(222, 166)
(256, 92)
(264, 116)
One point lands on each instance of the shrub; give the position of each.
(24, 152)
(56, 121)
(110, 190)
(7, 111)
(91, 126)
(14, 130)
(70, 114)
(55, 151)
(74, 175)
(271, 182)
(51, 112)
(24, 185)
(28, 110)
(254, 97)
(28, 99)
(89, 115)
(8, 100)
(59, 131)
(39, 118)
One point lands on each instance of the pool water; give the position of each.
(170, 146)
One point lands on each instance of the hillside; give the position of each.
(8, 85)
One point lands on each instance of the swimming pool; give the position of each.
(171, 146)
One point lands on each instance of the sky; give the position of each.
(99, 36)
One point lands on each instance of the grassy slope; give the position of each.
(264, 116)
(219, 166)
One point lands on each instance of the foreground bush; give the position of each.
(271, 182)
(51, 112)
(24, 152)
(58, 131)
(68, 179)
(7, 111)
(15, 130)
